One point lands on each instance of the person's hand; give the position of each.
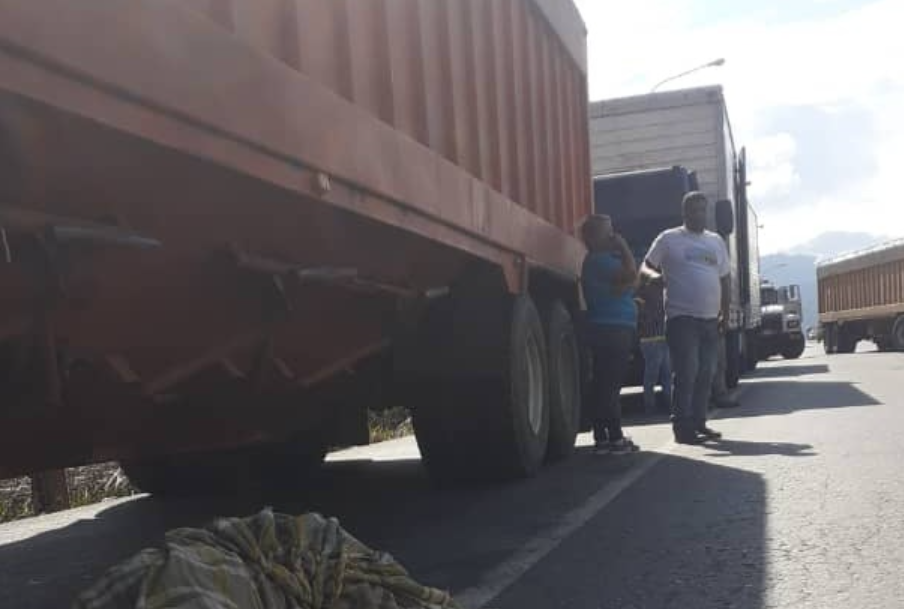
(723, 323)
(619, 243)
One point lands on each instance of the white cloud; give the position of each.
(842, 66)
(773, 166)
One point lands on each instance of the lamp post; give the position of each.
(712, 64)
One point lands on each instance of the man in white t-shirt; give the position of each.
(694, 263)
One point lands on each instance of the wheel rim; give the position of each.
(534, 379)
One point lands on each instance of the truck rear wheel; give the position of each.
(189, 474)
(897, 334)
(847, 340)
(564, 382)
(732, 359)
(492, 423)
(288, 465)
(793, 350)
(751, 353)
(830, 339)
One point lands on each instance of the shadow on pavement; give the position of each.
(775, 397)
(684, 520)
(689, 534)
(633, 410)
(788, 370)
(737, 448)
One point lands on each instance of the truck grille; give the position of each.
(772, 323)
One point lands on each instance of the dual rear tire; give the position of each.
(794, 349)
(499, 392)
(839, 339)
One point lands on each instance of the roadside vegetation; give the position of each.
(94, 483)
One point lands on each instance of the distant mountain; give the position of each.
(798, 265)
(834, 243)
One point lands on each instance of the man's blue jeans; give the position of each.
(694, 347)
(657, 369)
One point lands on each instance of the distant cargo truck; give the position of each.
(861, 297)
(646, 152)
(782, 332)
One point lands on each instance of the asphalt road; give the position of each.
(801, 506)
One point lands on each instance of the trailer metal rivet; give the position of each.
(324, 185)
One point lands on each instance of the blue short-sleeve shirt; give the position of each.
(607, 304)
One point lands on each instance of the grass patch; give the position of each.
(94, 483)
(389, 424)
(87, 485)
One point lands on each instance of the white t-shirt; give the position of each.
(693, 265)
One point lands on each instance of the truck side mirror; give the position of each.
(724, 217)
(794, 293)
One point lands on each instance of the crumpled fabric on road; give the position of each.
(267, 561)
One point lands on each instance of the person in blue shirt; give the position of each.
(608, 278)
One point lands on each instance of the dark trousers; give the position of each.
(694, 350)
(611, 346)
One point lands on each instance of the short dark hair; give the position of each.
(591, 220)
(693, 197)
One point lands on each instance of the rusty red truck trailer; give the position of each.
(230, 226)
(861, 297)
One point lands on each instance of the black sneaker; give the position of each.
(689, 438)
(707, 433)
(601, 449)
(623, 447)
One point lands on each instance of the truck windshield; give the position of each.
(769, 297)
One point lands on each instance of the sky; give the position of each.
(815, 91)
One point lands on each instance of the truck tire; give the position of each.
(492, 423)
(732, 359)
(830, 339)
(897, 334)
(287, 466)
(751, 353)
(794, 350)
(189, 474)
(564, 381)
(154, 477)
(847, 340)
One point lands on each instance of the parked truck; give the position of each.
(861, 297)
(647, 151)
(229, 228)
(781, 332)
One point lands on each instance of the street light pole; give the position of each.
(712, 64)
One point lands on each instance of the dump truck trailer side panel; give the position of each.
(861, 296)
(218, 214)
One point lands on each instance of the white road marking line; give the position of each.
(536, 549)
(504, 575)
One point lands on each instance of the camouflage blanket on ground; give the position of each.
(267, 561)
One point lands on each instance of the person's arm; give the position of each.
(651, 268)
(649, 272)
(627, 275)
